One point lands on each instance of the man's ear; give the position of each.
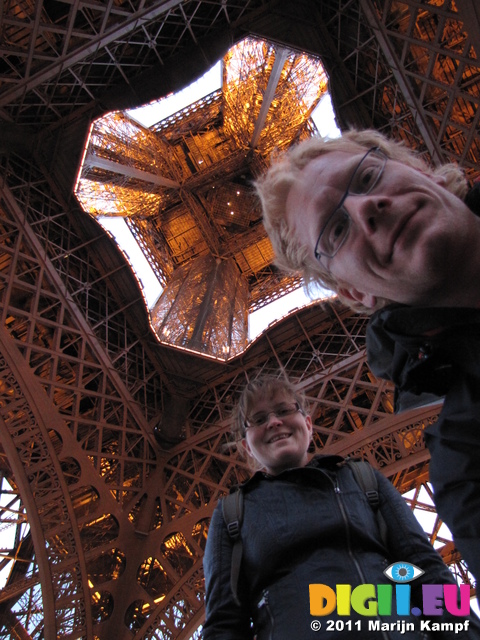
(438, 179)
(350, 293)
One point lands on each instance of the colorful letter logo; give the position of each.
(373, 600)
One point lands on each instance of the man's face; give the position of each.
(407, 238)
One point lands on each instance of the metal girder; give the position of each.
(469, 12)
(42, 418)
(103, 39)
(77, 313)
(81, 353)
(281, 54)
(397, 68)
(92, 160)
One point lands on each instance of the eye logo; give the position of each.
(380, 600)
(403, 572)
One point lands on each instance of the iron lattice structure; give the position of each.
(184, 186)
(112, 444)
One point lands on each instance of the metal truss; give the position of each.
(411, 70)
(118, 523)
(114, 449)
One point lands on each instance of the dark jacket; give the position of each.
(306, 526)
(437, 351)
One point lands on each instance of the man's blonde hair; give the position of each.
(273, 189)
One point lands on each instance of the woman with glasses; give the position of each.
(307, 521)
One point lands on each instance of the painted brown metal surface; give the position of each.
(113, 446)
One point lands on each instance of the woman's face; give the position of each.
(279, 434)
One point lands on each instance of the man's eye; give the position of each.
(365, 180)
(283, 411)
(260, 418)
(337, 229)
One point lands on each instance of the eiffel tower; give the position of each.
(114, 418)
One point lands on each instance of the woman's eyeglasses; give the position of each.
(261, 418)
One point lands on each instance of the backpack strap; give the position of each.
(232, 508)
(366, 479)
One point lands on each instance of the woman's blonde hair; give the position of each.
(273, 189)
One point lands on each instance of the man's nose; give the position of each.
(367, 212)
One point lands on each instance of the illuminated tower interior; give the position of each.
(114, 412)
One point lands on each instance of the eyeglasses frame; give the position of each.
(269, 413)
(318, 254)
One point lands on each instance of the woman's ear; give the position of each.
(246, 446)
(309, 423)
(311, 444)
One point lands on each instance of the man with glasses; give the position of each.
(369, 219)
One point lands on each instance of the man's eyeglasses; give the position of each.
(261, 418)
(365, 178)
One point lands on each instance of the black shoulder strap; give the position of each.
(232, 508)
(366, 479)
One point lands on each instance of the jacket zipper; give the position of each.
(338, 491)
(263, 602)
